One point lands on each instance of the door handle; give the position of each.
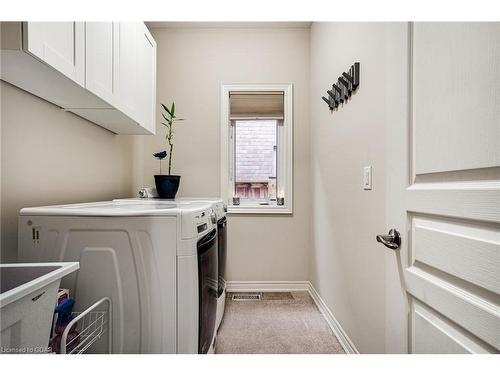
(391, 240)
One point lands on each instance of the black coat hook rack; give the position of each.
(342, 90)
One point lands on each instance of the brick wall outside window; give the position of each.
(255, 160)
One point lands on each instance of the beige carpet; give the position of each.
(278, 323)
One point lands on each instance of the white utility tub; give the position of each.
(28, 293)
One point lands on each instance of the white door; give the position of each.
(101, 60)
(443, 126)
(59, 44)
(146, 83)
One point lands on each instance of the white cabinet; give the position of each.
(127, 68)
(102, 71)
(101, 43)
(146, 71)
(59, 44)
(121, 69)
(36, 59)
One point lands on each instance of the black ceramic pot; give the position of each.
(167, 185)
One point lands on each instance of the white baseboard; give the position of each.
(337, 329)
(293, 286)
(266, 286)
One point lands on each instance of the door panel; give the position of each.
(462, 249)
(456, 85)
(101, 59)
(127, 67)
(59, 44)
(432, 333)
(444, 188)
(146, 85)
(463, 306)
(471, 200)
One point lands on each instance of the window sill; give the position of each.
(254, 209)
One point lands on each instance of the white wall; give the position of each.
(192, 65)
(49, 156)
(347, 265)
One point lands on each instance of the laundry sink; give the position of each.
(28, 293)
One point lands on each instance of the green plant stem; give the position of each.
(170, 159)
(169, 140)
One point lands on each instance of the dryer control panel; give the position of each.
(220, 210)
(197, 223)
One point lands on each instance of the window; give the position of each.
(256, 152)
(255, 146)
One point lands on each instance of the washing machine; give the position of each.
(157, 262)
(220, 208)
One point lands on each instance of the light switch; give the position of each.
(367, 178)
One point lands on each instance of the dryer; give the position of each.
(157, 262)
(220, 208)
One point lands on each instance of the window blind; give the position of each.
(256, 105)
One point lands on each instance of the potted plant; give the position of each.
(167, 185)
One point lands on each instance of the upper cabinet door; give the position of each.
(59, 44)
(101, 59)
(126, 66)
(146, 83)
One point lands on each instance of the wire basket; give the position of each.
(93, 323)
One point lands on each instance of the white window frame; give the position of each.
(285, 152)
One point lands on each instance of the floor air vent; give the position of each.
(246, 297)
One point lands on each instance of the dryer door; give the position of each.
(207, 283)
